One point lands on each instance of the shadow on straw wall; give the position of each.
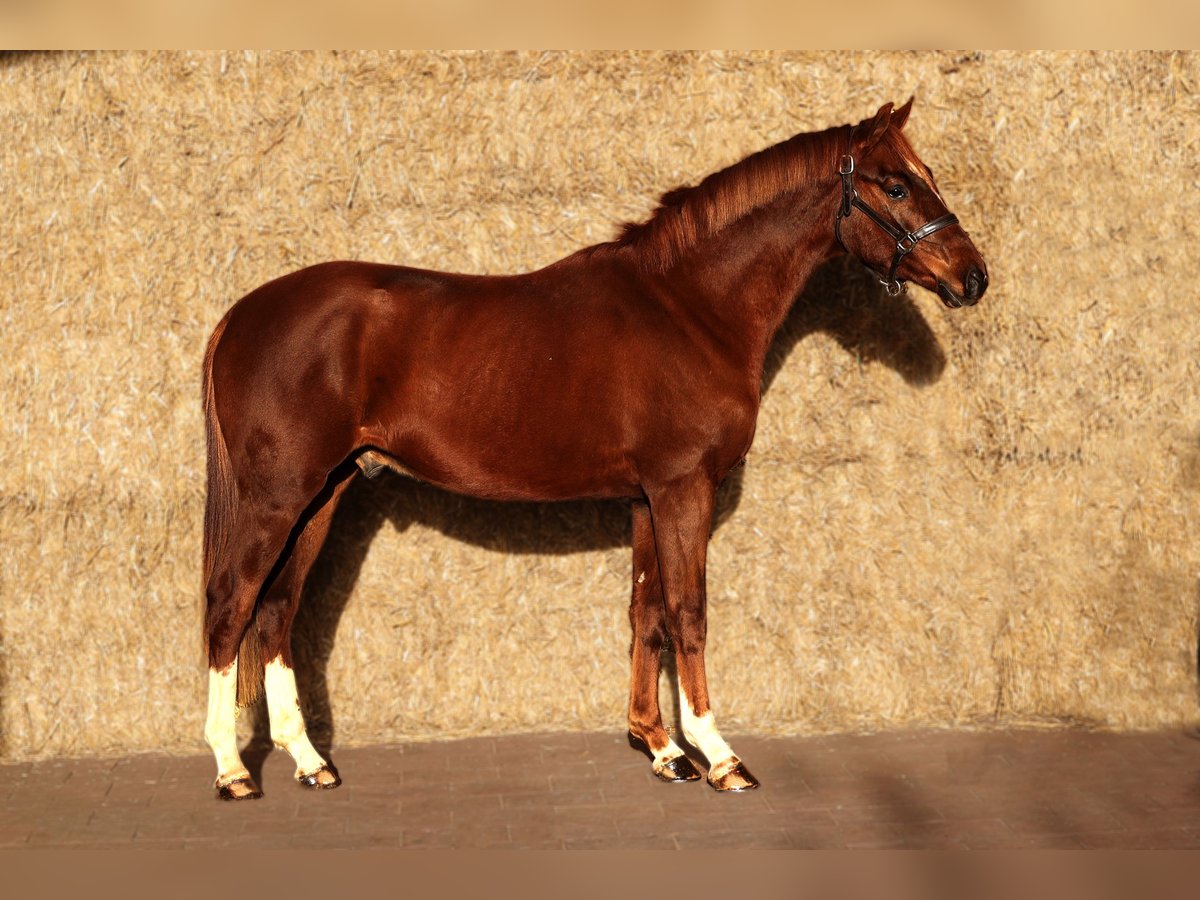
(842, 301)
(17, 57)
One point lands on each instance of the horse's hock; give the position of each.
(979, 518)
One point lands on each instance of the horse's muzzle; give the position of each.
(974, 284)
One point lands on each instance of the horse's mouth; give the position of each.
(951, 299)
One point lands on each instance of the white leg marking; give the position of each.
(287, 722)
(665, 755)
(220, 728)
(701, 732)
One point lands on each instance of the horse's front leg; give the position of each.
(682, 518)
(647, 616)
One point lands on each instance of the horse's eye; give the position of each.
(897, 192)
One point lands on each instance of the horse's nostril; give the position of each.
(974, 284)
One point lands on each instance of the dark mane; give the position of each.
(687, 215)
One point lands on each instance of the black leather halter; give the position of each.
(905, 240)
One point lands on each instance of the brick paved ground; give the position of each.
(901, 789)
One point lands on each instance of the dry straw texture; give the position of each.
(948, 518)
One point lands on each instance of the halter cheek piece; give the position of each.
(905, 240)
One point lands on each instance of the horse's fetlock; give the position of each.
(649, 733)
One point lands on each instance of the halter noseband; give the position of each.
(905, 240)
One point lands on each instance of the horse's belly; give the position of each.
(508, 464)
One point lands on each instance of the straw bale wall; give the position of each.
(948, 518)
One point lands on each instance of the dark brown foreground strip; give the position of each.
(900, 789)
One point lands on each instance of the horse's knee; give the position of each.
(688, 642)
(650, 635)
(688, 629)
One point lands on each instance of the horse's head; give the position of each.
(892, 217)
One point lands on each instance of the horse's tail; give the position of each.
(219, 515)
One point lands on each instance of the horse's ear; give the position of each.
(900, 116)
(878, 126)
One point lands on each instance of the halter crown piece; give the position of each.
(905, 240)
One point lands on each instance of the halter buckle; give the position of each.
(905, 244)
(846, 172)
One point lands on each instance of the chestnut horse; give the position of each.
(631, 369)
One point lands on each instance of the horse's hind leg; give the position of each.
(647, 616)
(255, 540)
(220, 731)
(277, 611)
(682, 517)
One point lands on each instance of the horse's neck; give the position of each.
(746, 277)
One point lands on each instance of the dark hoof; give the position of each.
(315, 781)
(678, 769)
(238, 789)
(736, 778)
